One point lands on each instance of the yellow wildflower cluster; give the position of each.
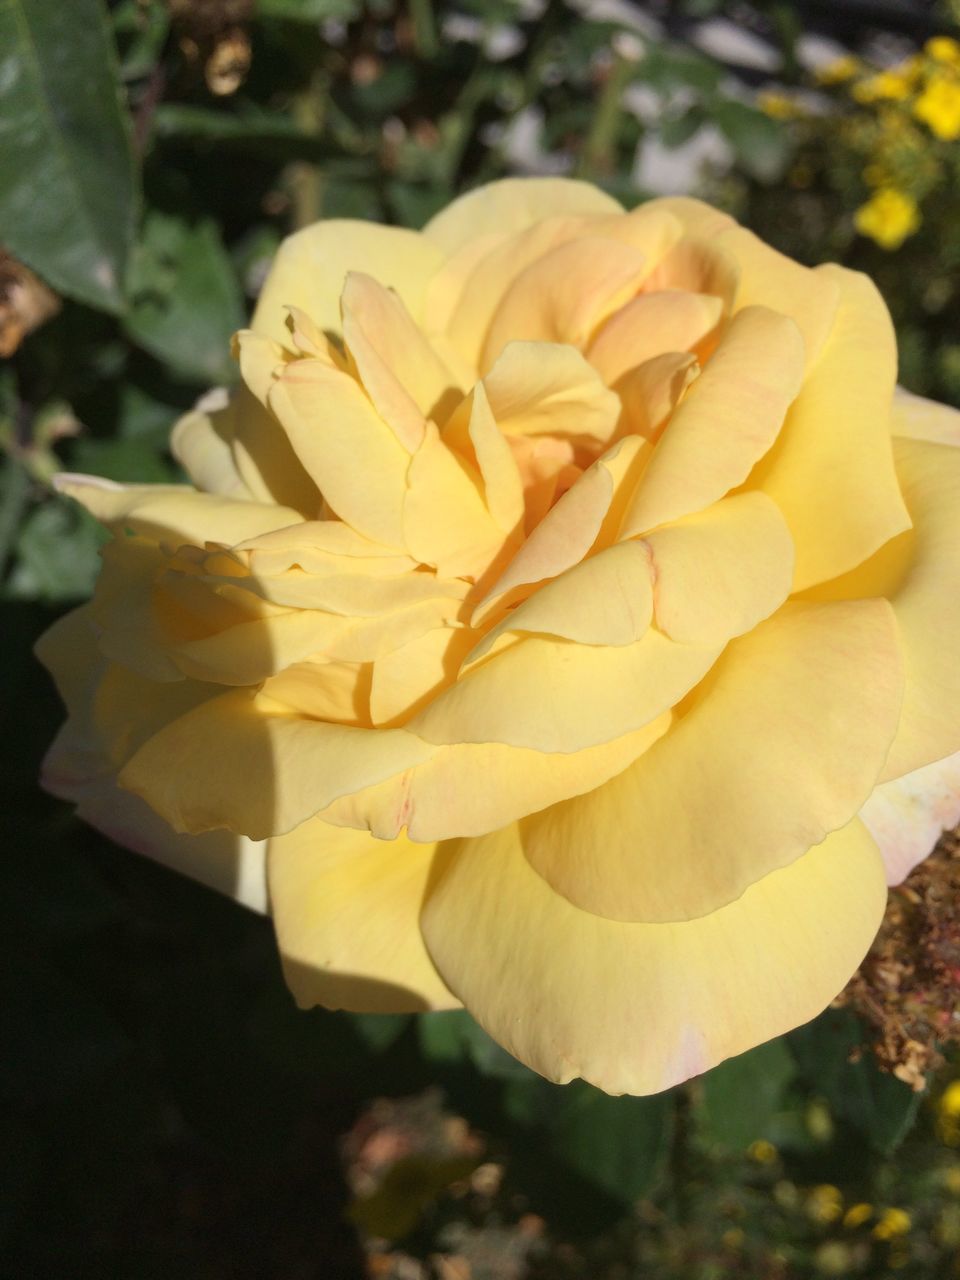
(888, 217)
(904, 105)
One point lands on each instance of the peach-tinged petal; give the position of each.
(831, 471)
(908, 815)
(926, 601)
(345, 908)
(174, 514)
(401, 372)
(728, 419)
(473, 431)
(557, 695)
(251, 765)
(636, 1008)
(331, 425)
(651, 392)
(311, 266)
(720, 572)
(511, 205)
(782, 745)
(568, 530)
(548, 388)
(698, 266)
(564, 295)
(915, 418)
(653, 323)
(469, 789)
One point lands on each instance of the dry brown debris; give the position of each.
(907, 988)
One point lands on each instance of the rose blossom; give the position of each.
(562, 621)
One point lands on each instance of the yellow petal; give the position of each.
(720, 572)
(473, 432)
(250, 765)
(908, 815)
(564, 295)
(446, 522)
(607, 599)
(264, 457)
(927, 605)
(558, 695)
(346, 912)
(651, 392)
(470, 789)
(636, 1008)
(175, 514)
(727, 420)
(512, 204)
(831, 471)
(201, 442)
(653, 323)
(782, 745)
(568, 530)
(311, 266)
(229, 864)
(401, 372)
(409, 675)
(332, 425)
(915, 418)
(324, 689)
(547, 388)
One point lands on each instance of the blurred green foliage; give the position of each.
(168, 1110)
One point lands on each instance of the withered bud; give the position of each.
(25, 303)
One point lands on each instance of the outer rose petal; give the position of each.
(779, 746)
(253, 766)
(512, 204)
(472, 788)
(345, 907)
(927, 605)
(831, 471)
(311, 266)
(907, 816)
(915, 418)
(636, 1008)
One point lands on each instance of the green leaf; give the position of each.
(741, 1096)
(762, 145)
(829, 1052)
(186, 303)
(68, 190)
(618, 1144)
(56, 553)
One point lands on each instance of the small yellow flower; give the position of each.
(839, 70)
(825, 1203)
(893, 1222)
(943, 49)
(857, 1215)
(888, 217)
(951, 1179)
(762, 1151)
(950, 1099)
(778, 106)
(894, 84)
(939, 107)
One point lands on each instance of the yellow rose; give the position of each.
(549, 602)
